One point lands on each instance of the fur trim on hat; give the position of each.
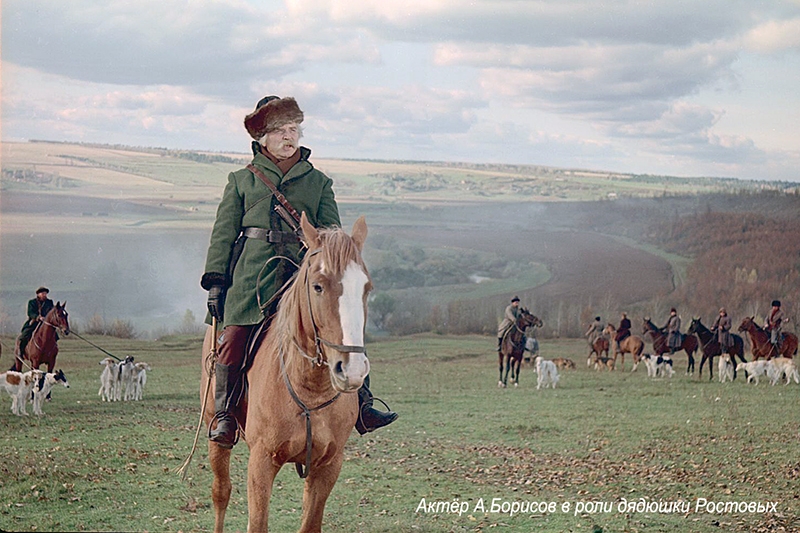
(272, 115)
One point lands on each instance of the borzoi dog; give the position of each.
(754, 369)
(18, 385)
(548, 373)
(725, 368)
(658, 366)
(108, 380)
(44, 384)
(782, 366)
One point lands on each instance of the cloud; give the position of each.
(636, 77)
(774, 36)
(158, 42)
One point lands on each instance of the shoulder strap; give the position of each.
(278, 195)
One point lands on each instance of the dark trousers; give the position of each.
(233, 345)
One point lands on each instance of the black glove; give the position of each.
(216, 301)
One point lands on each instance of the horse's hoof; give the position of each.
(500, 384)
(516, 384)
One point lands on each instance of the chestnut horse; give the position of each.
(42, 349)
(762, 347)
(709, 344)
(513, 347)
(632, 344)
(598, 348)
(659, 340)
(302, 404)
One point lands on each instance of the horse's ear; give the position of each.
(310, 233)
(64, 304)
(359, 234)
(58, 303)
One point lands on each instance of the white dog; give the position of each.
(725, 368)
(44, 383)
(782, 366)
(548, 373)
(108, 379)
(754, 369)
(650, 364)
(18, 385)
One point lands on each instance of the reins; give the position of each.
(301, 471)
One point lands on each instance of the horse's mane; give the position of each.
(337, 250)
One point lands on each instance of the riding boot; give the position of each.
(225, 392)
(370, 419)
(23, 343)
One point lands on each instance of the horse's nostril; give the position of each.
(339, 368)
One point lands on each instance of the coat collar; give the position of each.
(274, 173)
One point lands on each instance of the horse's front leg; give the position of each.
(220, 461)
(711, 367)
(508, 369)
(318, 486)
(517, 366)
(690, 364)
(261, 472)
(500, 364)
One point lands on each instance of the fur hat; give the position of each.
(776, 303)
(673, 310)
(272, 112)
(42, 289)
(722, 310)
(514, 299)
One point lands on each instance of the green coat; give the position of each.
(247, 202)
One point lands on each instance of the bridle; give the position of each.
(318, 361)
(63, 329)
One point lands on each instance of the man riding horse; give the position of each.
(623, 331)
(510, 316)
(594, 332)
(37, 310)
(255, 247)
(773, 324)
(673, 331)
(722, 327)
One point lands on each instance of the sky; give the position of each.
(673, 87)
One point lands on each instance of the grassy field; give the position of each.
(599, 437)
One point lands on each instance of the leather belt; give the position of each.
(269, 235)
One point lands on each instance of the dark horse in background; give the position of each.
(512, 347)
(658, 338)
(43, 346)
(709, 344)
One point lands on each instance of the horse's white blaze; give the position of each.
(352, 316)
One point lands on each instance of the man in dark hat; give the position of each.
(594, 332)
(37, 309)
(773, 324)
(509, 319)
(240, 299)
(673, 330)
(624, 329)
(722, 327)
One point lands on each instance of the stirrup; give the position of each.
(218, 416)
(360, 421)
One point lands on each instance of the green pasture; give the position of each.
(599, 437)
